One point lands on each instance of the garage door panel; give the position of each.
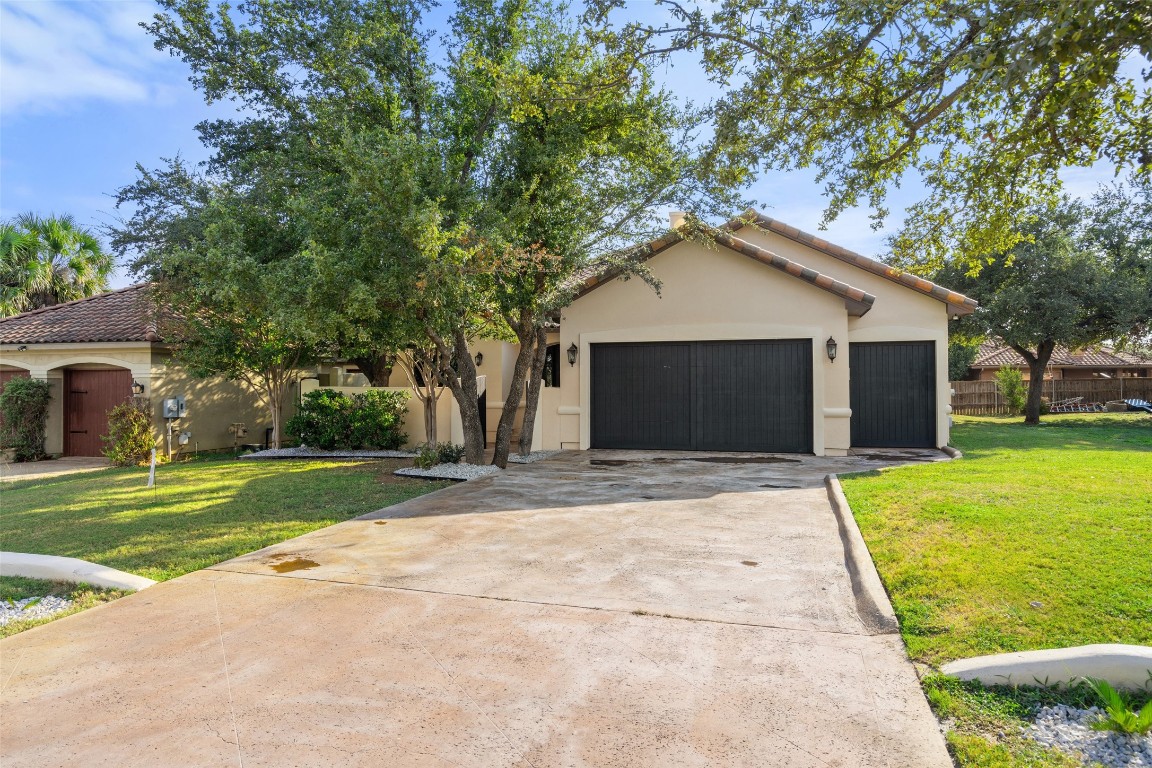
(893, 393)
(89, 395)
(719, 396)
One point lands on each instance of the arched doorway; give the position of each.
(88, 396)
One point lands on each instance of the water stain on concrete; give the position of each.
(751, 563)
(774, 485)
(381, 522)
(739, 460)
(295, 564)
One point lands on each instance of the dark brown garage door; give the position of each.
(703, 395)
(893, 394)
(88, 396)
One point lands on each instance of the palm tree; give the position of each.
(45, 260)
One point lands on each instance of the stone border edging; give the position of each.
(52, 568)
(1125, 666)
(872, 603)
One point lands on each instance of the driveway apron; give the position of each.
(598, 608)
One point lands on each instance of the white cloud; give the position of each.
(55, 54)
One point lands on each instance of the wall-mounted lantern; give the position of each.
(479, 359)
(137, 388)
(831, 346)
(572, 352)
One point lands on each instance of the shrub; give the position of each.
(376, 418)
(328, 419)
(429, 455)
(323, 419)
(130, 440)
(1010, 382)
(24, 416)
(1118, 714)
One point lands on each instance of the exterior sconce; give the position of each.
(137, 388)
(479, 359)
(572, 352)
(830, 347)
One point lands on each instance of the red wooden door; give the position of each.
(88, 396)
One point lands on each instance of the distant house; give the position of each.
(101, 351)
(1088, 363)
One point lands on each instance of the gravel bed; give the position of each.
(304, 452)
(516, 458)
(450, 471)
(1069, 730)
(42, 609)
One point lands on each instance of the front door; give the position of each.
(88, 396)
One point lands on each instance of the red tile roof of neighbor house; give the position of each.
(958, 303)
(121, 315)
(995, 353)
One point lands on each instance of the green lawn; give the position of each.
(199, 513)
(1040, 537)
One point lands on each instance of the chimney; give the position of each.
(677, 218)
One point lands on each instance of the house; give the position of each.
(762, 338)
(103, 350)
(1099, 362)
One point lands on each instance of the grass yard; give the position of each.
(199, 514)
(1040, 537)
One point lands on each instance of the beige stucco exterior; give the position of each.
(713, 294)
(213, 403)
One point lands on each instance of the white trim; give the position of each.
(711, 332)
(837, 413)
(57, 346)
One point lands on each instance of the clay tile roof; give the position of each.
(121, 315)
(957, 302)
(994, 354)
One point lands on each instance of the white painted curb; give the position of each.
(872, 603)
(1125, 666)
(70, 569)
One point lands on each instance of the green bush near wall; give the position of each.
(328, 419)
(24, 417)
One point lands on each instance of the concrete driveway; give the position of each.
(594, 609)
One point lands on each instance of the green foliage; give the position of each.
(429, 455)
(1010, 382)
(329, 419)
(1119, 714)
(24, 417)
(985, 102)
(129, 441)
(962, 353)
(45, 260)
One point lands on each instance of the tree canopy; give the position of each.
(985, 102)
(45, 260)
(1082, 276)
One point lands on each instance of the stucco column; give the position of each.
(54, 429)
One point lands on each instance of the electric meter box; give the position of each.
(175, 408)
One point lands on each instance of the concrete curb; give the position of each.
(952, 452)
(70, 569)
(872, 603)
(1125, 666)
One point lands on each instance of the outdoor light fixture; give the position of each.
(479, 359)
(137, 388)
(830, 346)
(572, 350)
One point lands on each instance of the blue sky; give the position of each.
(84, 97)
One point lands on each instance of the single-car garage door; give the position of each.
(88, 396)
(893, 394)
(703, 395)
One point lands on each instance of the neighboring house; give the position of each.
(1098, 362)
(103, 350)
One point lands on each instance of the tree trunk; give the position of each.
(515, 391)
(429, 401)
(463, 386)
(1037, 362)
(532, 398)
(378, 368)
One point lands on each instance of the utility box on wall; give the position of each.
(175, 408)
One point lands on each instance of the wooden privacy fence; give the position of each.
(981, 398)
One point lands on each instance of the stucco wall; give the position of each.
(708, 295)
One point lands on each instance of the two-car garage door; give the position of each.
(703, 395)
